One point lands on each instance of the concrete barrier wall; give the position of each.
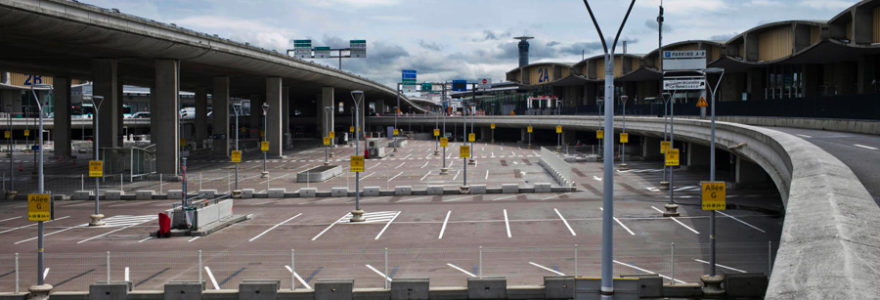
(213, 213)
(829, 247)
(559, 168)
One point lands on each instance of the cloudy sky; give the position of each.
(465, 39)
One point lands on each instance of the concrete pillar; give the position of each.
(524, 135)
(275, 130)
(750, 174)
(201, 124)
(61, 109)
(286, 133)
(698, 156)
(220, 104)
(327, 98)
(164, 123)
(485, 134)
(650, 148)
(380, 107)
(255, 121)
(107, 85)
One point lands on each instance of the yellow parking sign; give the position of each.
(350, 128)
(624, 138)
(332, 134)
(27, 132)
(464, 151)
(664, 145)
(444, 142)
(326, 141)
(672, 157)
(714, 195)
(558, 129)
(357, 163)
(7, 134)
(235, 156)
(436, 132)
(39, 207)
(529, 129)
(472, 137)
(264, 146)
(396, 132)
(492, 126)
(96, 168)
(600, 134)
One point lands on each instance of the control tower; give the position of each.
(523, 49)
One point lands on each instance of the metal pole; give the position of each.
(327, 127)
(396, 112)
(386, 269)
(480, 267)
(97, 155)
(200, 265)
(265, 138)
(16, 273)
(443, 133)
(236, 108)
(464, 161)
(108, 266)
(11, 156)
(660, 53)
(575, 260)
(292, 270)
(183, 182)
(712, 175)
(672, 261)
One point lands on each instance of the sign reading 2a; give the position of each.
(543, 75)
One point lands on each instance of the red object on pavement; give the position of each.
(164, 226)
(366, 153)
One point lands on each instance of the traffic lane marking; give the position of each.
(741, 221)
(646, 271)
(720, 265)
(547, 269)
(620, 223)
(677, 221)
(865, 147)
(273, 227)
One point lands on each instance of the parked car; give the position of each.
(141, 114)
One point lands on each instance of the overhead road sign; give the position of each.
(408, 77)
(322, 52)
(427, 87)
(684, 60)
(358, 48)
(684, 84)
(302, 49)
(713, 195)
(459, 85)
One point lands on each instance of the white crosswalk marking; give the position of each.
(371, 217)
(125, 220)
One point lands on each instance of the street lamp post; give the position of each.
(265, 134)
(327, 111)
(436, 136)
(671, 207)
(396, 112)
(712, 165)
(96, 218)
(237, 109)
(357, 215)
(41, 289)
(444, 170)
(623, 165)
(607, 286)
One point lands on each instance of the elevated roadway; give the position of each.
(829, 246)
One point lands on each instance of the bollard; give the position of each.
(200, 181)
(268, 179)
(672, 262)
(108, 266)
(121, 178)
(160, 183)
(575, 260)
(292, 271)
(82, 182)
(386, 269)
(200, 265)
(480, 267)
(228, 184)
(16, 273)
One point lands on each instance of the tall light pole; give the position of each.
(237, 109)
(437, 128)
(327, 111)
(41, 286)
(671, 207)
(444, 170)
(712, 164)
(96, 218)
(396, 112)
(623, 165)
(357, 215)
(265, 172)
(607, 285)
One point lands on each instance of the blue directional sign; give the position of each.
(408, 77)
(459, 85)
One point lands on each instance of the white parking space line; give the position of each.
(547, 269)
(457, 198)
(507, 223)
(395, 176)
(328, 228)
(426, 176)
(741, 221)
(647, 271)
(48, 234)
(273, 227)
(804, 136)
(368, 175)
(211, 276)
(33, 224)
(451, 163)
(145, 239)
(126, 275)
(298, 277)
(425, 165)
(620, 223)
(865, 147)
(400, 165)
(560, 217)
(597, 178)
(386, 226)
(443, 228)
(193, 239)
(461, 270)
(378, 272)
(504, 197)
(373, 166)
(720, 265)
(456, 175)
(417, 199)
(677, 221)
(104, 234)
(10, 219)
(45, 273)
(487, 175)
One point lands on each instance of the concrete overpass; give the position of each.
(829, 247)
(70, 40)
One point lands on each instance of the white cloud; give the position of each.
(828, 4)
(357, 3)
(765, 3)
(686, 6)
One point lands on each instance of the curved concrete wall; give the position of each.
(829, 247)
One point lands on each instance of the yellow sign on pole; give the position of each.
(96, 168)
(350, 128)
(243, 129)
(27, 132)
(7, 134)
(714, 195)
(264, 146)
(624, 138)
(558, 129)
(235, 156)
(672, 157)
(357, 163)
(396, 132)
(529, 129)
(332, 134)
(39, 207)
(702, 102)
(444, 142)
(492, 126)
(182, 141)
(472, 137)
(436, 132)
(262, 133)
(464, 151)
(664, 145)
(326, 141)
(600, 134)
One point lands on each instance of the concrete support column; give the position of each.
(750, 174)
(61, 109)
(107, 85)
(380, 107)
(698, 156)
(220, 104)
(650, 148)
(327, 98)
(485, 134)
(255, 122)
(285, 118)
(164, 123)
(275, 130)
(523, 135)
(201, 128)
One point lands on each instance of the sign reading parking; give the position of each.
(332, 134)
(39, 207)
(714, 195)
(357, 163)
(684, 60)
(492, 126)
(96, 168)
(464, 151)
(558, 129)
(326, 141)
(529, 129)
(672, 157)
(396, 132)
